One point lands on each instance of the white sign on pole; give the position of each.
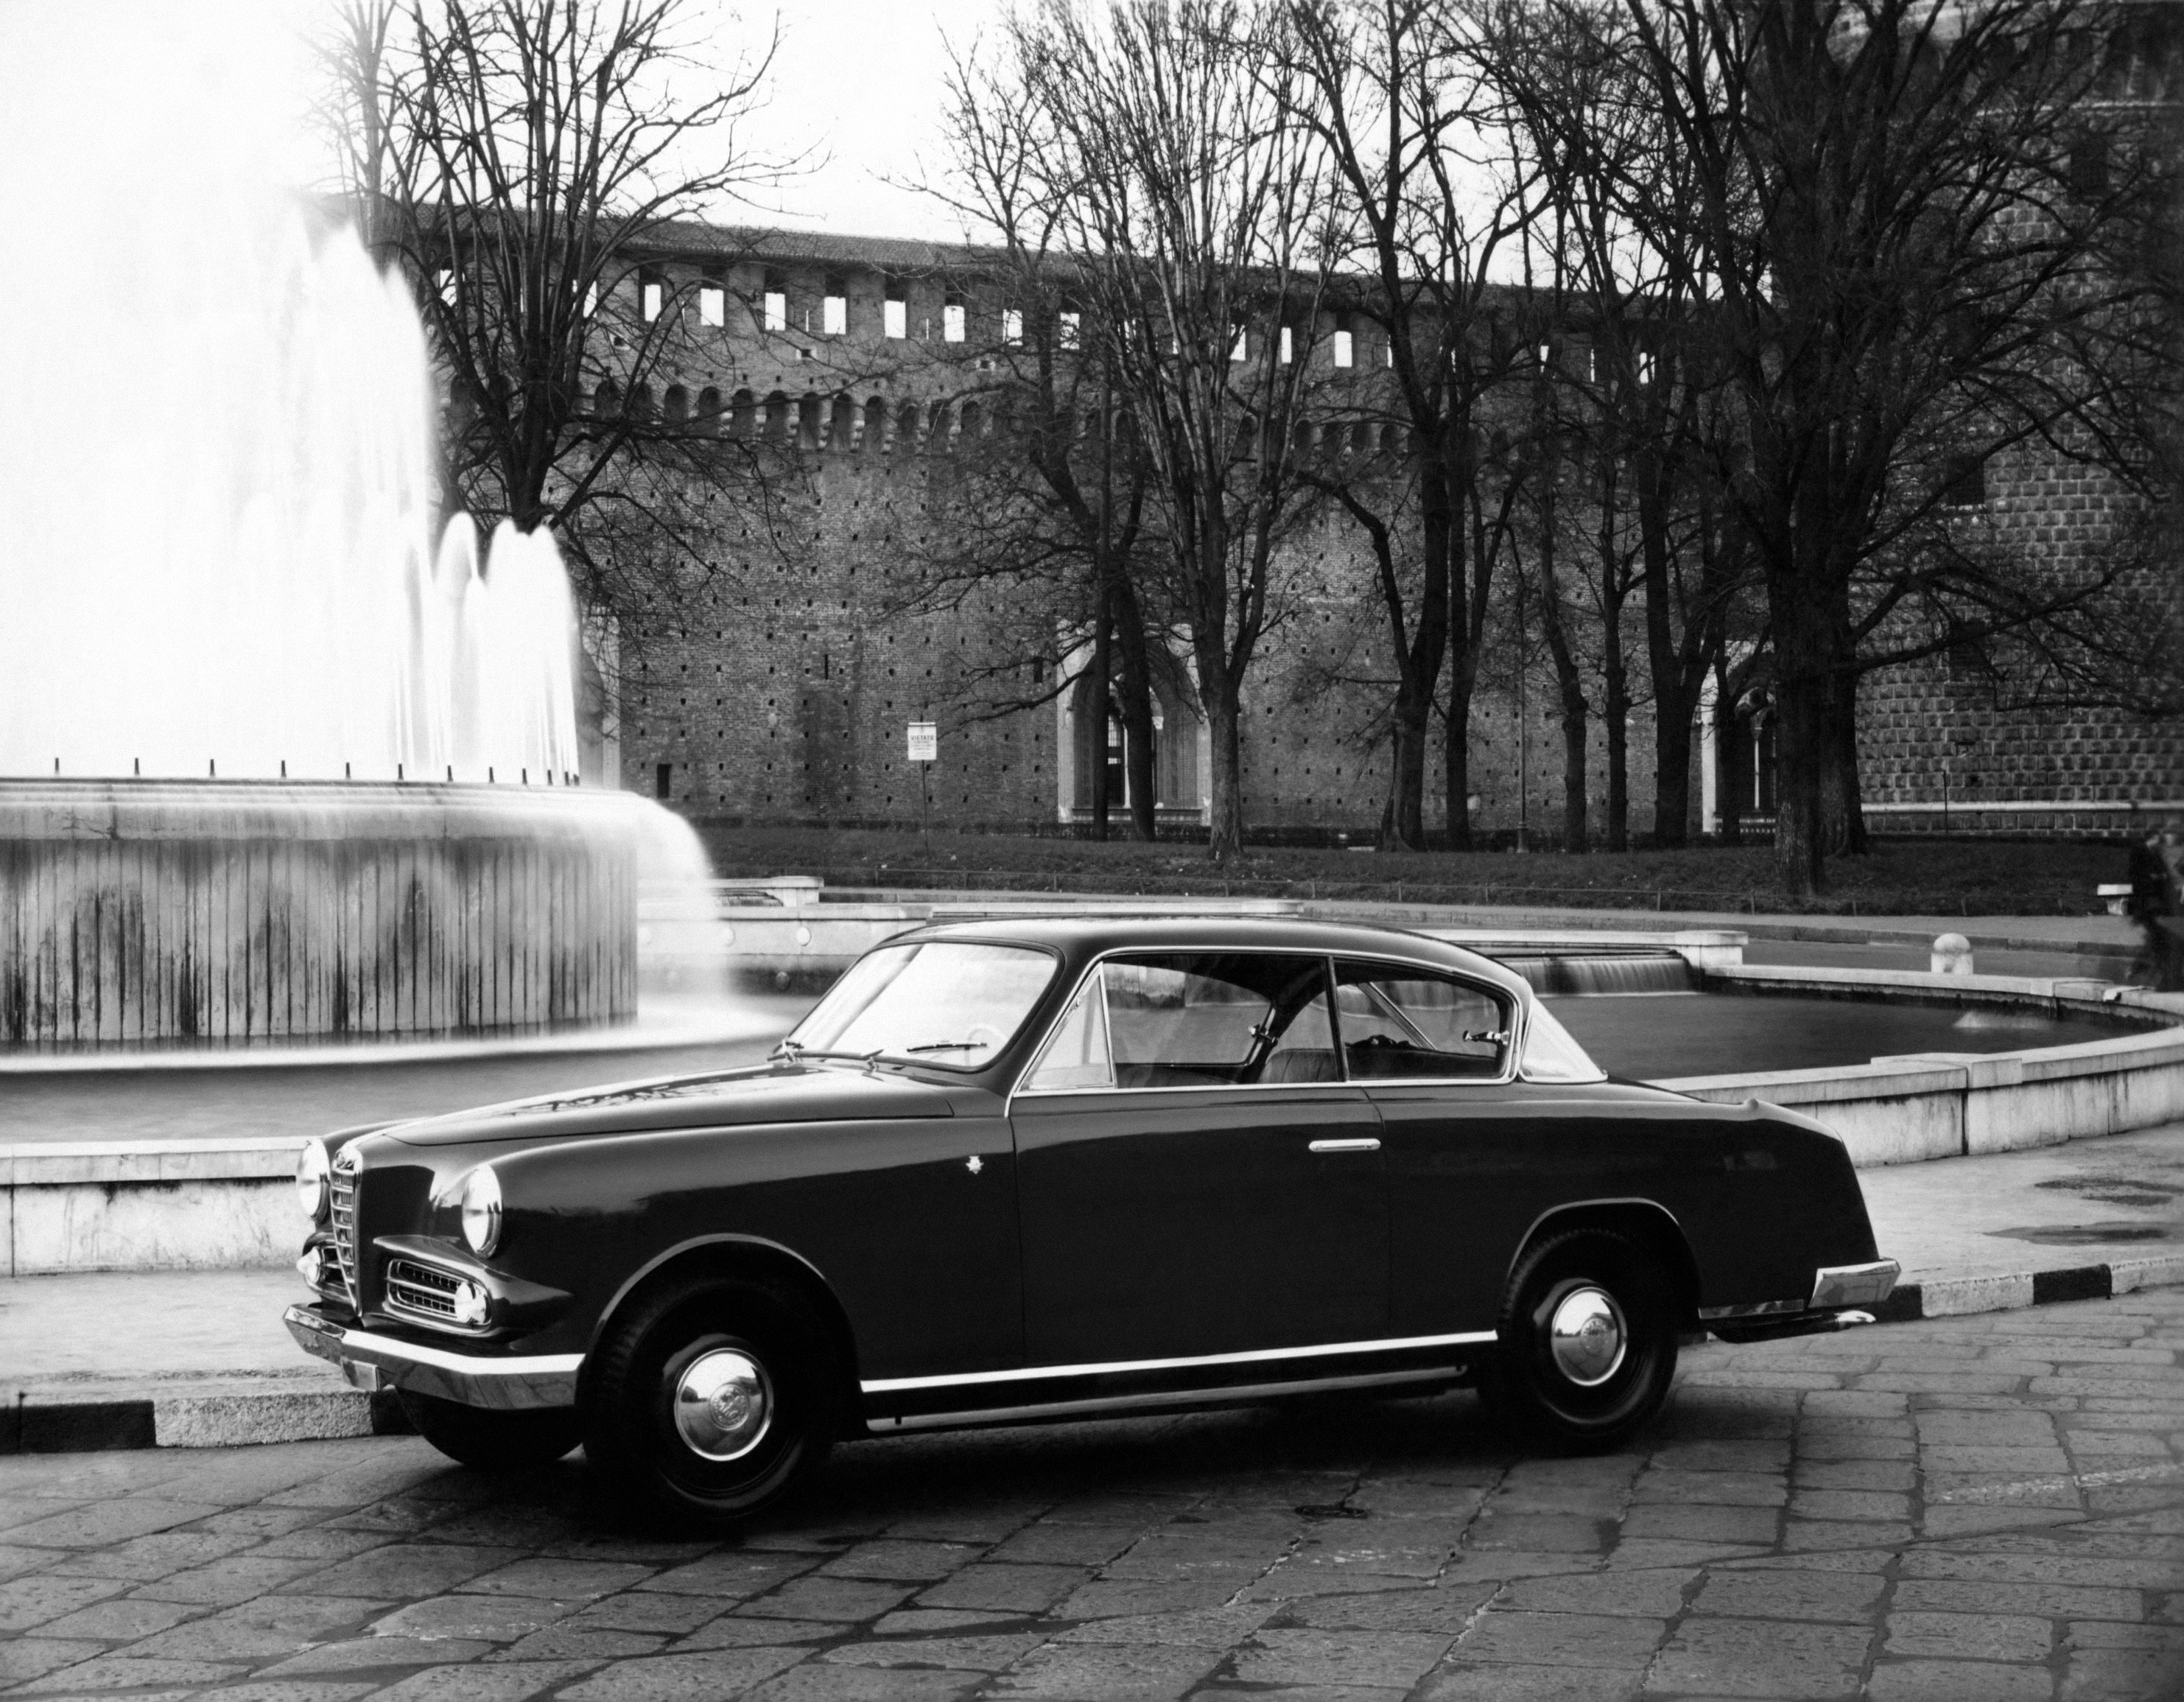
(924, 742)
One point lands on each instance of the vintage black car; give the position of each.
(1058, 1167)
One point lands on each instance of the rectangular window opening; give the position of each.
(894, 311)
(952, 320)
(1963, 481)
(834, 310)
(1345, 348)
(652, 296)
(1070, 327)
(663, 779)
(1012, 326)
(712, 304)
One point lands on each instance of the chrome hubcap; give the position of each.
(723, 1404)
(1587, 1337)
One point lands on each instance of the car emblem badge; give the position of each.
(974, 1164)
(731, 1406)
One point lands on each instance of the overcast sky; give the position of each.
(859, 83)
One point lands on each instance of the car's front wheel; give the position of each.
(1587, 1342)
(492, 1440)
(714, 1399)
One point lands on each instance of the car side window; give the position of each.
(1398, 1022)
(1194, 1020)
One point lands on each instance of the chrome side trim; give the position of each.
(1364, 1143)
(1854, 1284)
(1469, 1338)
(1225, 1396)
(507, 1385)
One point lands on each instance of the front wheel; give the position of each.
(713, 1399)
(1587, 1346)
(492, 1440)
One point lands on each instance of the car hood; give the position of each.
(811, 1093)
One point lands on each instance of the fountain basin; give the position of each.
(162, 913)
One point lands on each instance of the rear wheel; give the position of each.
(714, 1399)
(493, 1440)
(1587, 1346)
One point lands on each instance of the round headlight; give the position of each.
(312, 1166)
(481, 1210)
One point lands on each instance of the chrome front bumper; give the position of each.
(381, 1362)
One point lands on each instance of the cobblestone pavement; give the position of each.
(1988, 1508)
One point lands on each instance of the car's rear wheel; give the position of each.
(1587, 1342)
(714, 1399)
(493, 1440)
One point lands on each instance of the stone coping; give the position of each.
(689, 1028)
(54, 1164)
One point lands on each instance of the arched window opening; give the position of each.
(940, 430)
(972, 425)
(607, 400)
(708, 408)
(777, 418)
(842, 429)
(743, 416)
(641, 405)
(905, 428)
(807, 422)
(678, 404)
(875, 426)
(1361, 438)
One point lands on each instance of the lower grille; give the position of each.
(417, 1291)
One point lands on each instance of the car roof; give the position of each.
(1082, 935)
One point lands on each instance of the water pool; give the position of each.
(1660, 1036)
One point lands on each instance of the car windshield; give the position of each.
(952, 1002)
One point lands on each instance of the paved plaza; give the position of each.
(1988, 1508)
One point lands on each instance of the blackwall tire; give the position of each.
(493, 1440)
(1586, 1347)
(713, 1399)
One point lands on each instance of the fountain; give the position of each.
(277, 762)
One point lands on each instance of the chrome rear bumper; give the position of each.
(377, 1362)
(1854, 1284)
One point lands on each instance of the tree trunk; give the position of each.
(1406, 826)
(1674, 692)
(1841, 801)
(1728, 782)
(1224, 726)
(1615, 714)
(1097, 708)
(1137, 703)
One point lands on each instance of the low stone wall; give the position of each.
(175, 1205)
(1946, 1105)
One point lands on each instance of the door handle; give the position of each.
(1365, 1143)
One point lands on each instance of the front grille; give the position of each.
(417, 1291)
(341, 1195)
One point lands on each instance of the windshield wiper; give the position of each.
(948, 1046)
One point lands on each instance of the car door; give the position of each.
(1430, 1052)
(1194, 1176)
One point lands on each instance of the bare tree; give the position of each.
(1398, 94)
(523, 161)
(1049, 504)
(1899, 264)
(1197, 204)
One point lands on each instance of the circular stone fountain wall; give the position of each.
(220, 912)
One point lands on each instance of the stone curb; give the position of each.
(1956, 1297)
(213, 1412)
